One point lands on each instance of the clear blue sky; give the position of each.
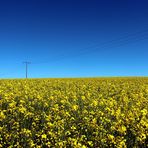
(74, 38)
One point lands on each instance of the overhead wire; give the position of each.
(105, 46)
(125, 40)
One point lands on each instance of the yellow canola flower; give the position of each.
(83, 97)
(22, 109)
(44, 136)
(83, 146)
(122, 129)
(75, 107)
(74, 112)
(95, 103)
(110, 137)
(11, 105)
(2, 116)
(144, 112)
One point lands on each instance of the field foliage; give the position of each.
(79, 113)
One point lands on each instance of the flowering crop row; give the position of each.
(79, 113)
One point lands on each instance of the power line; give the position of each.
(124, 40)
(121, 41)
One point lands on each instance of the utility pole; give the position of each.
(26, 63)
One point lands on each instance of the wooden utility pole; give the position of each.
(26, 63)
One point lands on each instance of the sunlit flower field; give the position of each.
(74, 113)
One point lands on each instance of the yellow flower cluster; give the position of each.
(79, 113)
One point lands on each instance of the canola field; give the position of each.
(74, 113)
